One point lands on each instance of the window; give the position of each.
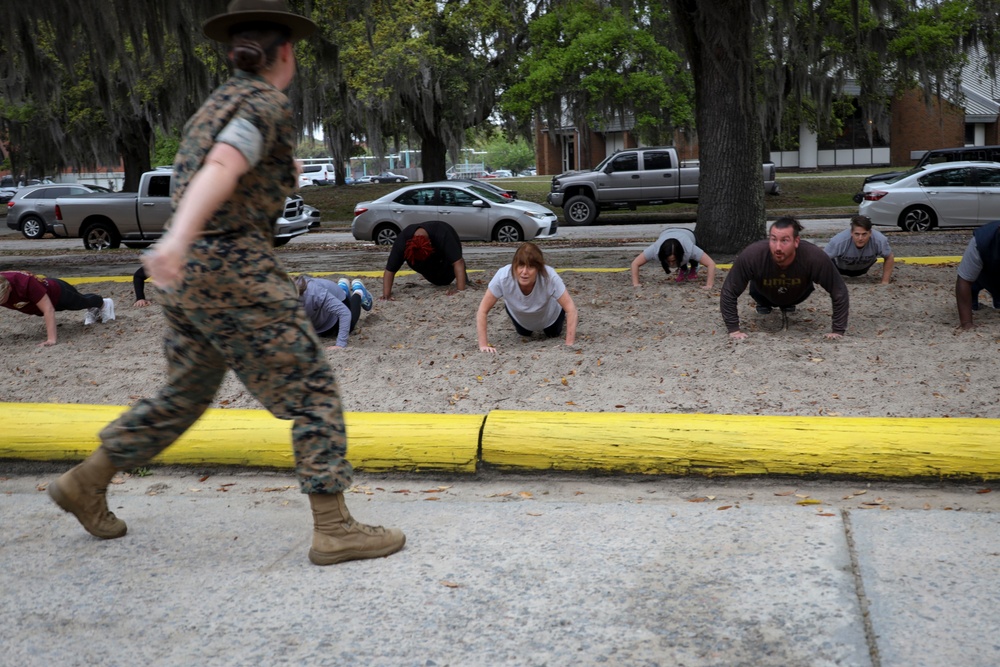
(989, 178)
(656, 160)
(416, 197)
(453, 197)
(947, 178)
(159, 186)
(625, 162)
(48, 193)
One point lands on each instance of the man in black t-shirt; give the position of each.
(781, 272)
(433, 250)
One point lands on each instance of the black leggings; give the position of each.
(553, 330)
(71, 299)
(354, 303)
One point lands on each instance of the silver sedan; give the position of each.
(477, 214)
(950, 194)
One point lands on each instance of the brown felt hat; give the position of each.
(257, 11)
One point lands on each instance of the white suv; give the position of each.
(316, 174)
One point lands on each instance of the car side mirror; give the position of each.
(479, 203)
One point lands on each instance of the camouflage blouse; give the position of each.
(234, 260)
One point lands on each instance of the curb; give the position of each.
(647, 444)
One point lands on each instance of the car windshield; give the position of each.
(487, 195)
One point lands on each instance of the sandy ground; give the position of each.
(660, 348)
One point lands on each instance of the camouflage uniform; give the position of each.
(237, 308)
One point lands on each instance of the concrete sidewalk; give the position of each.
(506, 570)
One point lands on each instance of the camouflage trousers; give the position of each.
(275, 352)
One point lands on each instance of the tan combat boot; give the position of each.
(82, 490)
(337, 537)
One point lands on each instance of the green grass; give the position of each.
(801, 194)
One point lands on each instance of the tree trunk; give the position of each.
(433, 158)
(135, 142)
(718, 38)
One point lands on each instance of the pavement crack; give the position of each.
(859, 588)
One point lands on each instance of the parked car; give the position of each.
(937, 156)
(506, 194)
(317, 174)
(361, 180)
(950, 194)
(32, 210)
(389, 177)
(293, 221)
(476, 213)
(312, 215)
(503, 173)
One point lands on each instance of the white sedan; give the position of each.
(949, 194)
(476, 213)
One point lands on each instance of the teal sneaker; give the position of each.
(366, 297)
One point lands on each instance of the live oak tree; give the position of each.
(886, 45)
(424, 70)
(87, 82)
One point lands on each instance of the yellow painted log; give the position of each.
(717, 445)
(376, 441)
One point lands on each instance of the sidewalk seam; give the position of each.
(859, 588)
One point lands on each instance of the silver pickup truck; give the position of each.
(136, 220)
(631, 178)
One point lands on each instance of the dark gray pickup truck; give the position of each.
(631, 178)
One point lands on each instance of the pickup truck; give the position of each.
(630, 178)
(136, 220)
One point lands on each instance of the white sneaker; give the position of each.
(91, 316)
(108, 310)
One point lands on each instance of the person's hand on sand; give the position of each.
(142, 303)
(336, 347)
(833, 336)
(488, 348)
(737, 335)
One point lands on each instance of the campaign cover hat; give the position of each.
(257, 11)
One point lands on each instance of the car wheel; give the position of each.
(918, 219)
(385, 234)
(580, 210)
(508, 232)
(101, 236)
(399, 180)
(33, 227)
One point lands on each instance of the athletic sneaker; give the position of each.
(93, 314)
(108, 310)
(366, 297)
(681, 276)
(692, 274)
(345, 285)
(764, 310)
